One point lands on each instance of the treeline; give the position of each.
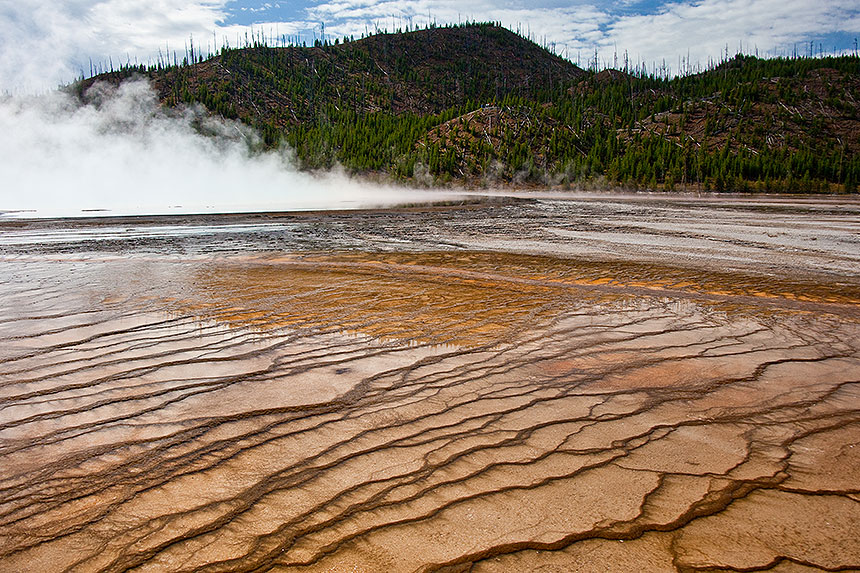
(478, 103)
(748, 135)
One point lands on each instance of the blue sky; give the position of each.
(46, 43)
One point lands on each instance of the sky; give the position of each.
(46, 43)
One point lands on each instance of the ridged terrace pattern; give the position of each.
(423, 410)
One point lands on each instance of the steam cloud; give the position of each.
(124, 154)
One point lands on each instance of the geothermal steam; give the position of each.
(122, 153)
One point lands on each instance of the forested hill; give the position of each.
(480, 105)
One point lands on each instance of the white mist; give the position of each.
(127, 155)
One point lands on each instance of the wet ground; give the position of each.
(592, 383)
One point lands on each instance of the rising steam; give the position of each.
(122, 153)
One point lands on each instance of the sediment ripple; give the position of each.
(424, 411)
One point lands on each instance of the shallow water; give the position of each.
(563, 383)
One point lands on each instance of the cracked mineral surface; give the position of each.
(563, 383)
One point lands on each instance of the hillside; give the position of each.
(478, 105)
(748, 125)
(421, 72)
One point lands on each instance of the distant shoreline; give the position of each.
(469, 199)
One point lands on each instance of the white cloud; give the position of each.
(575, 24)
(701, 28)
(46, 43)
(704, 29)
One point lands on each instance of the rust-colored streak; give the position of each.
(472, 299)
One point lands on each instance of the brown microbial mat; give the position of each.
(271, 396)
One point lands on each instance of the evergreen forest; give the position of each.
(479, 105)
